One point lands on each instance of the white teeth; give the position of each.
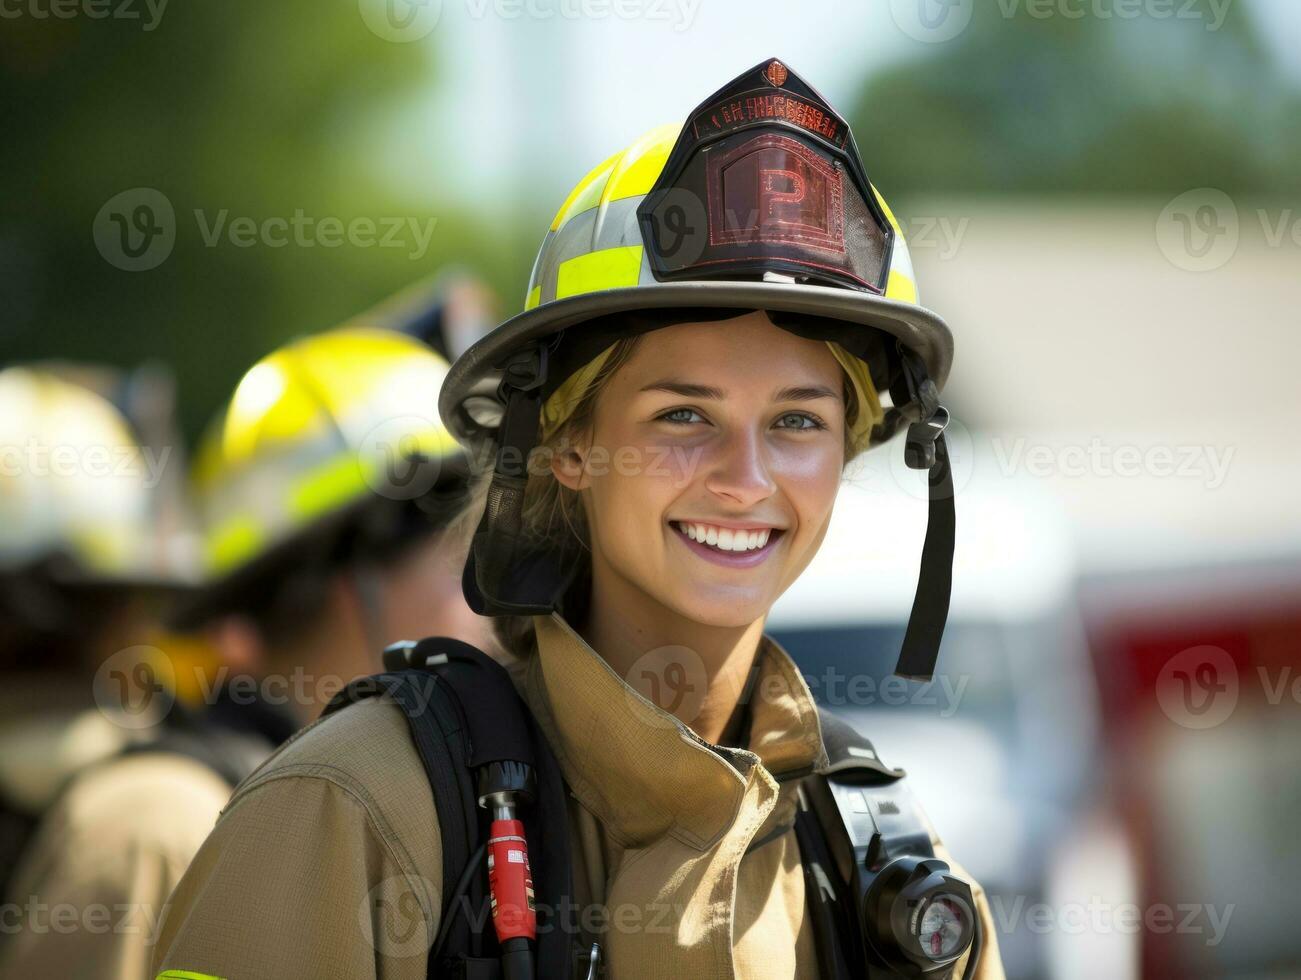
(726, 538)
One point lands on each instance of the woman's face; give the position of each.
(711, 467)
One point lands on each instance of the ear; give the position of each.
(239, 644)
(569, 466)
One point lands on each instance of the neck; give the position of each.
(332, 651)
(669, 658)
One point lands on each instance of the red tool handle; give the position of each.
(511, 882)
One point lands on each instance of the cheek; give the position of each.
(632, 484)
(810, 481)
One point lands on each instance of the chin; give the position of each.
(723, 608)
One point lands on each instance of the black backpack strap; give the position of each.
(465, 714)
(442, 741)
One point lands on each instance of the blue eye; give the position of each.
(681, 416)
(800, 420)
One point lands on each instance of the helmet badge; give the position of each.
(776, 73)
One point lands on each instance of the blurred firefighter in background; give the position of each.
(323, 490)
(107, 785)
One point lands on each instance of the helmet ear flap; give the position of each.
(505, 574)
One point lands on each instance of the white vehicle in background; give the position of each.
(1002, 746)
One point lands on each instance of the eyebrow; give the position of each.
(791, 393)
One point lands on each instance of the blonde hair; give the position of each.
(553, 518)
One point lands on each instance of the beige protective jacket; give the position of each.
(87, 895)
(327, 861)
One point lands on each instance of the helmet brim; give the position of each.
(476, 372)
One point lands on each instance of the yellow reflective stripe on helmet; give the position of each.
(631, 172)
(186, 975)
(587, 192)
(534, 297)
(232, 542)
(639, 166)
(901, 287)
(326, 487)
(894, 222)
(609, 268)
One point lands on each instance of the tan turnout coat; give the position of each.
(327, 862)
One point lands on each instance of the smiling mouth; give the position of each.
(729, 546)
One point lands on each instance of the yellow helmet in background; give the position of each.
(759, 201)
(317, 435)
(77, 489)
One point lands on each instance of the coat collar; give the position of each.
(641, 771)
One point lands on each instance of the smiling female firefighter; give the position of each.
(721, 317)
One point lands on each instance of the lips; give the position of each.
(734, 547)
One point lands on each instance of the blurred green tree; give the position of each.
(244, 109)
(1026, 104)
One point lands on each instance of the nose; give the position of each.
(739, 471)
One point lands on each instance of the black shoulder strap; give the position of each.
(827, 844)
(464, 713)
(847, 749)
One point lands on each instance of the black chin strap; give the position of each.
(921, 643)
(925, 449)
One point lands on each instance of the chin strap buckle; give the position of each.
(524, 370)
(919, 448)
